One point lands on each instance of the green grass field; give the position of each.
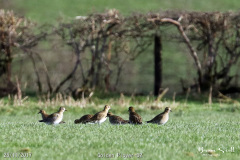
(195, 131)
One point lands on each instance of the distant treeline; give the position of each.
(97, 51)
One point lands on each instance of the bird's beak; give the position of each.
(38, 112)
(170, 110)
(65, 110)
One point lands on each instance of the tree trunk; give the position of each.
(157, 64)
(37, 73)
(8, 64)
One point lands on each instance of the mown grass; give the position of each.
(192, 127)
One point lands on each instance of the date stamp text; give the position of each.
(17, 155)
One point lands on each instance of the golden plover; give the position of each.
(113, 119)
(54, 118)
(100, 117)
(45, 115)
(162, 118)
(134, 118)
(84, 119)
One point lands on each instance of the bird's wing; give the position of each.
(136, 118)
(157, 118)
(95, 117)
(52, 117)
(119, 118)
(85, 117)
(101, 115)
(115, 119)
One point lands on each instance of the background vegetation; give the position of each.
(175, 57)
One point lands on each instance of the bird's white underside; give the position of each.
(164, 120)
(99, 121)
(58, 120)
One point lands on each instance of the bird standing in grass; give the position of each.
(45, 115)
(162, 118)
(54, 118)
(113, 119)
(84, 119)
(134, 118)
(100, 117)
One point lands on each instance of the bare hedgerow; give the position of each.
(211, 37)
(109, 40)
(16, 35)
